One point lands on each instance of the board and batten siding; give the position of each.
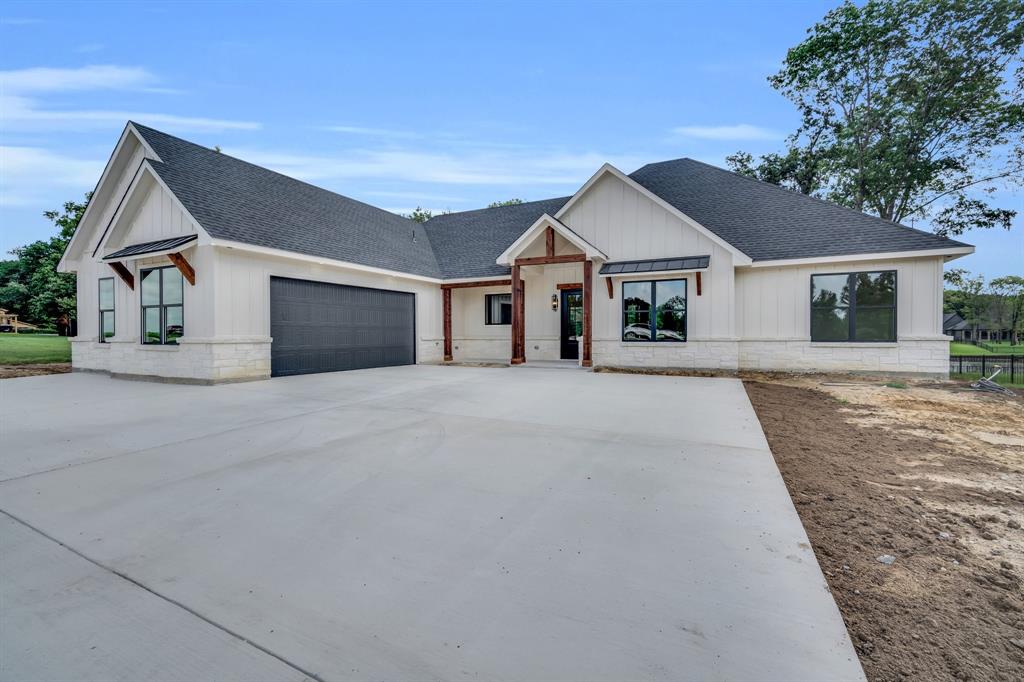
(774, 303)
(242, 294)
(626, 225)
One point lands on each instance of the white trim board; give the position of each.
(532, 232)
(951, 253)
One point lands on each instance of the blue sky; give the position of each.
(445, 106)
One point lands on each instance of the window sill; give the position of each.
(652, 344)
(854, 344)
(159, 347)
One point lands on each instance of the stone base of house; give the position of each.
(203, 361)
(916, 356)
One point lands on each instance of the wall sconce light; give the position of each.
(554, 301)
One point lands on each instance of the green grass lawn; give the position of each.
(24, 349)
(1004, 348)
(966, 349)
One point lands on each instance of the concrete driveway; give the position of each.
(409, 523)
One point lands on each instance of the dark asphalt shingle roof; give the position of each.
(151, 247)
(236, 200)
(767, 222)
(467, 244)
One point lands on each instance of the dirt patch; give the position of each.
(14, 371)
(930, 475)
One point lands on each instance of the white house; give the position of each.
(196, 266)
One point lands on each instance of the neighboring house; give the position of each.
(9, 322)
(197, 266)
(957, 327)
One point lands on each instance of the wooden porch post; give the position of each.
(518, 318)
(446, 296)
(588, 304)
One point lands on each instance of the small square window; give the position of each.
(498, 309)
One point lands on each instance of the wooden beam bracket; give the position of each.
(569, 286)
(611, 287)
(549, 242)
(698, 283)
(551, 260)
(478, 283)
(124, 273)
(184, 266)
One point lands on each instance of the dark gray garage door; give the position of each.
(319, 327)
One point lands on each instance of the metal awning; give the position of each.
(157, 247)
(636, 267)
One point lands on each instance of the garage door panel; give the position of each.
(320, 327)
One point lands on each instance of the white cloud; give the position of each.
(23, 114)
(742, 131)
(22, 110)
(475, 167)
(99, 77)
(371, 132)
(29, 174)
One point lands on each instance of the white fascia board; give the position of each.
(321, 260)
(739, 258)
(949, 254)
(90, 207)
(463, 280)
(558, 226)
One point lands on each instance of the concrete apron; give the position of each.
(404, 523)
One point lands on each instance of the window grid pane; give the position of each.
(654, 311)
(861, 308)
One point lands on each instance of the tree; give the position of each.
(30, 285)
(1011, 289)
(909, 108)
(507, 202)
(970, 290)
(419, 215)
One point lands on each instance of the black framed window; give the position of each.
(106, 308)
(163, 318)
(854, 306)
(654, 311)
(498, 309)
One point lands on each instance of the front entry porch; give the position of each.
(558, 267)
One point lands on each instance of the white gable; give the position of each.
(621, 220)
(148, 213)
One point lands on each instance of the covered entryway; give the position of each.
(321, 327)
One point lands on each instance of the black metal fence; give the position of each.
(983, 365)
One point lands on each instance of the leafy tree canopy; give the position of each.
(30, 284)
(909, 108)
(507, 202)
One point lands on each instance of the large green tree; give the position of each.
(30, 284)
(909, 109)
(1011, 290)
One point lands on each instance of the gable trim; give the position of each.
(739, 257)
(146, 169)
(546, 220)
(949, 254)
(89, 209)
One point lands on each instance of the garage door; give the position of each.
(319, 327)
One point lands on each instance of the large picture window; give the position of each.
(854, 306)
(654, 311)
(106, 307)
(498, 309)
(162, 305)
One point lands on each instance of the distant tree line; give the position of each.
(30, 285)
(999, 304)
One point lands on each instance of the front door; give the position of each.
(572, 323)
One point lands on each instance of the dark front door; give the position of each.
(572, 323)
(320, 327)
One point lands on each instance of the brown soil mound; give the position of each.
(932, 477)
